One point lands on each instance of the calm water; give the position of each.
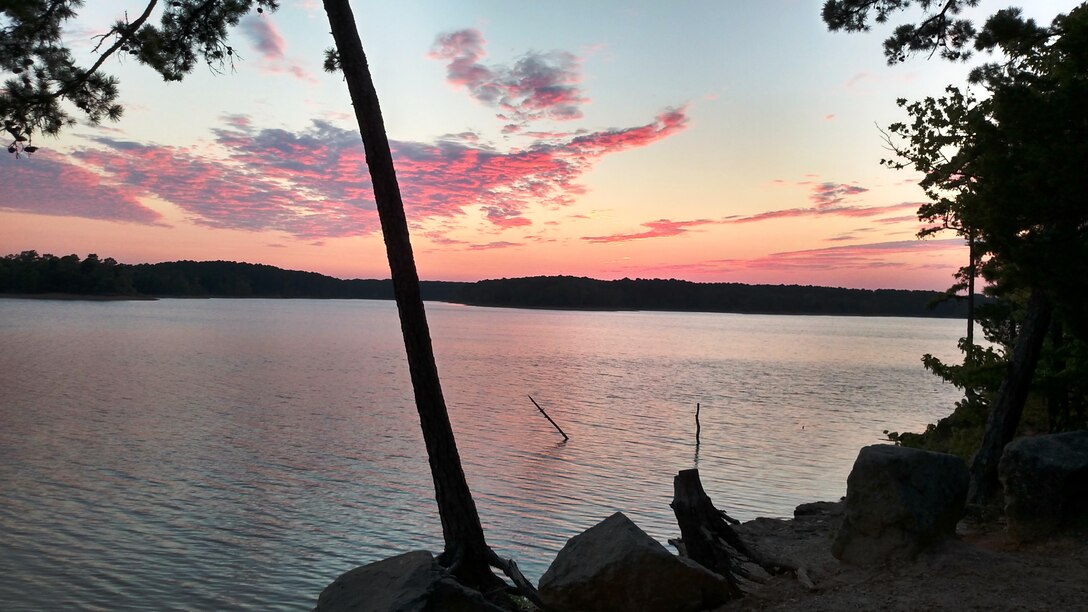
(222, 454)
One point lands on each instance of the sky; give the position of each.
(712, 141)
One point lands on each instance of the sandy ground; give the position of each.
(980, 570)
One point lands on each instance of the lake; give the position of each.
(241, 454)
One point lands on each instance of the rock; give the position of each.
(615, 566)
(410, 582)
(819, 508)
(1046, 483)
(899, 501)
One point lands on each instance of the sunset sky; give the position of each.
(708, 140)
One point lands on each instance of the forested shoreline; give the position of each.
(30, 274)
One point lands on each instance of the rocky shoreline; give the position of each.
(981, 568)
(901, 539)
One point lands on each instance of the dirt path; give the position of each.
(980, 570)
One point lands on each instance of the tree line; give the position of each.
(679, 295)
(31, 273)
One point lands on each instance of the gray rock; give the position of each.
(615, 566)
(1046, 484)
(820, 508)
(411, 582)
(899, 501)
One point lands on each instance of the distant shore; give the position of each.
(79, 297)
(75, 297)
(29, 274)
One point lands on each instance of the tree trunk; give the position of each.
(705, 532)
(466, 551)
(1057, 401)
(1013, 393)
(972, 266)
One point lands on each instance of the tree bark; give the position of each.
(1011, 396)
(466, 551)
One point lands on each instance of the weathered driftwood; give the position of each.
(707, 537)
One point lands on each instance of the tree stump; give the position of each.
(706, 535)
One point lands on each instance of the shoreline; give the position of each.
(981, 568)
(86, 297)
(79, 297)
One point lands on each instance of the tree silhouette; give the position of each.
(1006, 171)
(467, 554)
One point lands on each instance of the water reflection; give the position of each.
(226, 454)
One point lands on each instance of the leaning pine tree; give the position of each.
(467, 554)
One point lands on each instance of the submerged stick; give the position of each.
(698, 428)
(557, 428)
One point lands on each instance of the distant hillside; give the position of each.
(230, 279)
(29, 273)
(627, 294)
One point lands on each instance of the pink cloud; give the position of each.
(506, 218)
(908, 263)
(828, 194)
(853, 234)
(494, 245)
(441, 239)
(314, 183)
(538, 85)
(658, 229)
(237, 121)
(544, 135)
(602, 143)
(858, 79)
(824, 195)
(843, 211)
(265, 37)
(872, 255)
(47, 184)
(900, 219)
(828, 198)
(268, 41)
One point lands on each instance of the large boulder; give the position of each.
(411, 582)
(1046, 483)
(899, 501)
(615, 566)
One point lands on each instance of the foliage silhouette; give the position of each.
(1005, 170)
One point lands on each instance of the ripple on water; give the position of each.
(240, 454)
